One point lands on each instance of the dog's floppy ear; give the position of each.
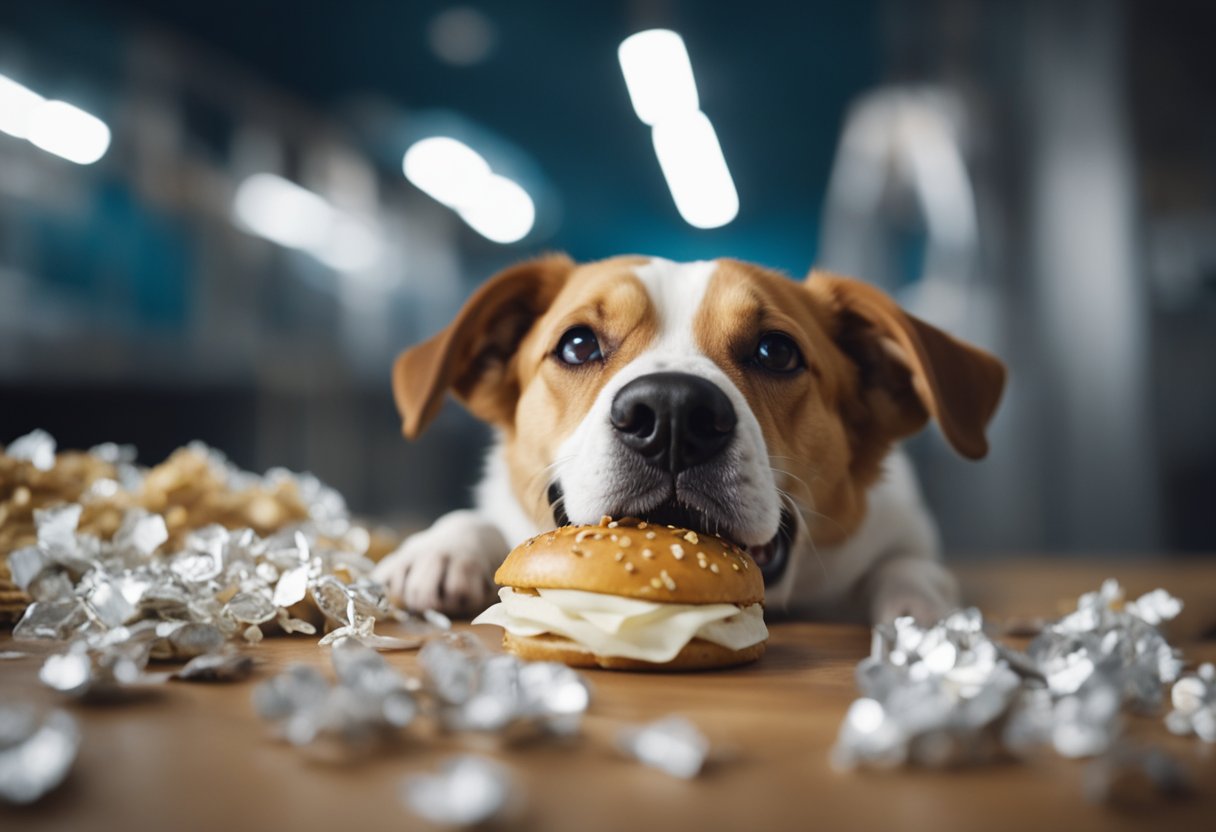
(910, 370)
(472, 356)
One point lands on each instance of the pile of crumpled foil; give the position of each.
(119, 602)
(948, 694)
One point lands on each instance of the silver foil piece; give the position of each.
(933, 696)
(222, 666)
(466, 791)
(672, 745)
(37, 751)
(37, 447)
(367, 706)
(1194, 705)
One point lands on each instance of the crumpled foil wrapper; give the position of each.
(37, 750)
(462, 687)
(476, 690)
(1194, 704)
(672, 745)
(466, 791)
(146, 594)
(948, 694)
(369, 703)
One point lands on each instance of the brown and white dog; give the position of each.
(716, 395)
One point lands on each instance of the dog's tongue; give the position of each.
(762, 555)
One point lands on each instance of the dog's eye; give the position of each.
(776, 352)
(578, 345)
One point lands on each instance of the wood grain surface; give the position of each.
(196, 757)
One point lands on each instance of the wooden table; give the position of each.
(195, 756)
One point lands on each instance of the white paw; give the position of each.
(439, 570)
(921, 588)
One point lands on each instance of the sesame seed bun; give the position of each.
(634, 559)
(698, 654)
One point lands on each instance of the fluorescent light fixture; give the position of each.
(58, 127)
(504, 213)
(456, 175)
(447, 170)
(696, 170)
(17, 106)
(351, 245)
(285, 213)
(282, 211)
(658, 75)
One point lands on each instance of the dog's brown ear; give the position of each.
(910, 370)
(472, 356)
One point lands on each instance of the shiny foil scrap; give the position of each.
(1194, 704)
(672, 745)
(369, 703)
(947, 694)
(476, 690)
(466, 791)
(37, 750)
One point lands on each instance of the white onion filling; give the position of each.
(609, 625)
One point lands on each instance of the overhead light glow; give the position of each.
(17, 106)
(67, 131)
(282, 211)
(351, 245)
(696, 171)
(285, 213)
(456, 175)
(447, 170)
(658, 75)
(504, 213)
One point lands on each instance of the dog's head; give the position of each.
(716, 395)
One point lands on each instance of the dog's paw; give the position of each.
(919, 587)
(438, 570)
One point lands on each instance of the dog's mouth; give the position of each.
(772, 557)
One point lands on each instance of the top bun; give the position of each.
(635, 559)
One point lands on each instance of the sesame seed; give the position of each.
(700, 556)
(691, 537)
(735, 566)
(619, 556)
(656, 583)
(677, 550)
(702, 564)
(667, 580)
(612, 537)
(574, 550)
(643, 524)
(630, 568)
(650, 535)
(605, 520)
(648, 553)
(583, 535)
(714, 568)
(625, 541)
(613, 524)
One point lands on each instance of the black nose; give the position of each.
(674, 420)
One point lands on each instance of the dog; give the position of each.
(715, 395)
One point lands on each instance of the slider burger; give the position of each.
(628, 595)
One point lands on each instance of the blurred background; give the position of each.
(222, 220)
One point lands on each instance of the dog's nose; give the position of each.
(673, 420)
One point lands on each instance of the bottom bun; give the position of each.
(696, 655)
